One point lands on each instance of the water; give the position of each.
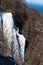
(15, 41)
(7, 61)
(39, 8)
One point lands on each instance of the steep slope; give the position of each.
(30, 23)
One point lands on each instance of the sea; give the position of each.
(37, 7)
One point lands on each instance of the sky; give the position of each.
(39, 2)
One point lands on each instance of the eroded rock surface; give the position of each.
(31, 23)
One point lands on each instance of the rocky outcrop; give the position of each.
(30, 23)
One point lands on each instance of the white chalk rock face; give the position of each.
(21, 40)
(16, 42)
(7, 25)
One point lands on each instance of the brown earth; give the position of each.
(30, 23)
